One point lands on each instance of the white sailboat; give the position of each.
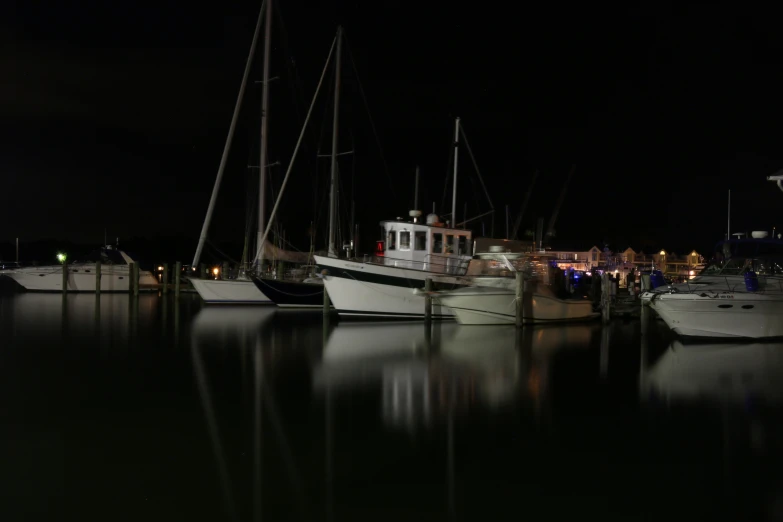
(115, 274)
(241, 290)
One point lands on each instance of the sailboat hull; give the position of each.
(230, 291)
(291, 294)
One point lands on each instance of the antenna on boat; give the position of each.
(416, 191)
(728, 225)
(456, 157)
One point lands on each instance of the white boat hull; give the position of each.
(230, 291)
(486, 305)
(369, 290)
(80, 278)
(722, 314)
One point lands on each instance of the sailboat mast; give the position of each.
(229, 140)
(454, 192)
(335, 123)
(264, 133)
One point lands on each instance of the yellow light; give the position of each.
(692, 272)
(61, 258)
(160, 269)
(215, 271)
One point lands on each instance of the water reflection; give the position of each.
(719, 373)
(425, 377)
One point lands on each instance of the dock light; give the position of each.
(61, 257)
(215, 271)
(160, 269)
(692, 272)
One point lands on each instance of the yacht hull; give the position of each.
(485, 306)
(725, 314)
(370, 290)
(230, 291)
(80, 279)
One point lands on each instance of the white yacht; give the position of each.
(115, 274)
(738, 294)
(491, 299)
(383, 285)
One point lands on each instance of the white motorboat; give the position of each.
(115, 274)
(491, 299)
(738, 294)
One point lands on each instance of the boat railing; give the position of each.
(771, 284)
(442, 264)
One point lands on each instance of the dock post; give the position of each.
(177, 275)
(428, 300)
(65, 277)
(606, 298)
(520, 285)
(98, 278)
(135, 280)
(203, 271)
(326, 301)
(130, 278)
(165, 278)
(224, 270)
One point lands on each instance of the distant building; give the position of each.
(620, 263)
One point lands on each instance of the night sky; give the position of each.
(115, 114)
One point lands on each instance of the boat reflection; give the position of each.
(33, 316)
(719, 372)
(229, 322)
(456, 368)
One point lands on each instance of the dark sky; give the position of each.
(115, 114)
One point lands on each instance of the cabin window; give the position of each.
(391, 240)
(437, 243)
(405, 240)
(463, 246)
(449, 244)
(420, 240)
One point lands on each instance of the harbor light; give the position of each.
(215, 271)
(61, 257)
(160, 269)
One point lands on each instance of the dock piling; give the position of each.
(327, 302)
(520, 282)
(65, 277)
(428, 300)
(135, 280)
(98, 278)
(165, 278)
(177, 276)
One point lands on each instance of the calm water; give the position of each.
(168, 410)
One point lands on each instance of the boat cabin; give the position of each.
(430, 246)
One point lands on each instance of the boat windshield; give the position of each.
(739, 265)
(107, 257)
